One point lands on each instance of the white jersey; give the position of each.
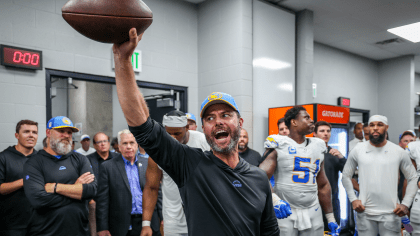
(378, 177)
(297, 168)
(174, 220)
(413, 150)
(353, 143)
(85, 153)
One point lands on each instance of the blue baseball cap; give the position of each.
(191, 116)
(59, 122)
(218, 97)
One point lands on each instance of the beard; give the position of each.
(235, 134)
(242, 147)
(377, 140)
(59, 147)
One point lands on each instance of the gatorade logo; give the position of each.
(237, 184)
(333, 114)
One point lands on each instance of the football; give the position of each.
(107, 21)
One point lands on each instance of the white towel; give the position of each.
(302, 219)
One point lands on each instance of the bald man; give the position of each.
(248, 154)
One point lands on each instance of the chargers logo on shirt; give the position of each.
(237, 184)
(292, 150)
(62, 168)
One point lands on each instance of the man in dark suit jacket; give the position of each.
(119, 199)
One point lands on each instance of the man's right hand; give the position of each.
(86, 178)
(126, 49)
(104, 233)
(358, 206)
(146, 231)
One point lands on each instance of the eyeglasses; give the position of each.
(103, 141)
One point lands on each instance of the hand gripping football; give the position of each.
(107, 21)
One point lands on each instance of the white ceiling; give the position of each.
(356, 25)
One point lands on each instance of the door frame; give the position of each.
(49, 73)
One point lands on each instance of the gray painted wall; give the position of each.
(396, 94)
(341, 74)
(273, 41)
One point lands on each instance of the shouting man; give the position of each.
(222, 194)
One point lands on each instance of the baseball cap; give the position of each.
(83, 137)
(190, 116)
(218, 97)
(59, 122)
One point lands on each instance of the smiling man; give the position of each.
(221, 193)
(379, 161)
(59, 183)
(297, 163)
(15, 209)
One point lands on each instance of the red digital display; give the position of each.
(21, 57)
(342, 101)
(346, 102)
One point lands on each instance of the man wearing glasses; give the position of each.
(102, 145)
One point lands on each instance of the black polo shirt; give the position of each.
(96, 161)
(251, 156)
(333, 166)
(218, 200)
(15, 209)
(56, 214)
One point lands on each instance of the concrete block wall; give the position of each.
(341, 74)
(169, 55)
(225, 53)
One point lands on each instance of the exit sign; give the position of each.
(135, 61)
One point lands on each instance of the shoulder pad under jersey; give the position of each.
(319, 143)
(275, 141)
(412, 148)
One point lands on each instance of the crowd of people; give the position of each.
(188, 182)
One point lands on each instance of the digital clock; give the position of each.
(342, 101)
(21, 57)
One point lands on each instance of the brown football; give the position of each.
(107, 21)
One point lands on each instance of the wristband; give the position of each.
(275, 198)
(55, 188)
(145, 223)
(330, 217)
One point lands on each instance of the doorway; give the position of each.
(91, 101)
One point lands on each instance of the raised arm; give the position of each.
(131, 100)
(150, 194)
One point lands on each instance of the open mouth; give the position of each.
(221, 134)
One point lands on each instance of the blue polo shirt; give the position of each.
(134, 181)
